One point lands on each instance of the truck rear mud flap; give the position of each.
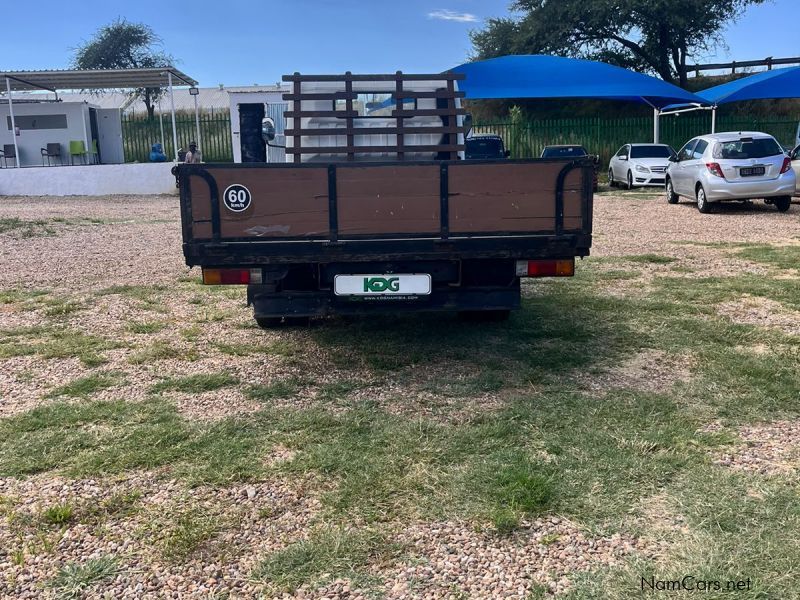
(267, 304)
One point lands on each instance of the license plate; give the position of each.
(417, 284)
(751, 171)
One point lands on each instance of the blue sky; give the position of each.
(239, 43)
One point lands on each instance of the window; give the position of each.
(39, 121)
(623, 151)
(651, 152)
(686, 151)
(699, 150)
(564, 152)
(375, 104)
(747, 148)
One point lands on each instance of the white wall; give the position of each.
(138, 179)
(30, 141)
(275, 97)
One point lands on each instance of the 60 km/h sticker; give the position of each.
(236, 198)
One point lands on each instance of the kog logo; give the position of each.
(381, 284)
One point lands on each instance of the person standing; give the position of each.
(193, 156)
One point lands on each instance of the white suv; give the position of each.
(731, 166)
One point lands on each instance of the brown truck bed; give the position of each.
(366, 211)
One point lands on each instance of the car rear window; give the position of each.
(651, 152)
(485, 147)
(747, 148)
(564, 152)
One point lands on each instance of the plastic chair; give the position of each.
(95, 153)
(77, 148)
(9, 151)
(52, 151)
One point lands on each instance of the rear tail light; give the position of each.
(546, 268)
(715, 169)
(231, 276)
(787, 164)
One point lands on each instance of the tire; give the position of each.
(783, 203)
(672, 197)
(703, 205)
(630, 180)
(611, 182)
(274, 322)
(269, 322)
(484, 316)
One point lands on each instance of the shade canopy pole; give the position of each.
(172, 108)
(13, 123)
(656, 126)
(714, 119)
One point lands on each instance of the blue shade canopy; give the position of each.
(540, 76)
(780, 83)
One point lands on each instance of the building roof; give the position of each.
(93, 79)
(210, 98)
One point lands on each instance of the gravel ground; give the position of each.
(88, 248)
(768, 449)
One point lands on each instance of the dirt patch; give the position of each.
(650, 371)
(624, 226)
(770, 449)
(763, 312)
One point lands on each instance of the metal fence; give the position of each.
(526, 139)
(140, 133)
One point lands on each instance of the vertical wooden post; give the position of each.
(400, 120)
(297, 122)
(351, 140)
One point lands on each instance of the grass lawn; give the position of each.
(592, 404)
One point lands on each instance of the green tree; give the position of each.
(657, 36)
(125, 45)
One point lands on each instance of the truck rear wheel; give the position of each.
(273, 322)
(783, 203)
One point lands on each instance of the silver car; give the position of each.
(731, 166)
(639, 165)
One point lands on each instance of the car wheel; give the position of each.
(630, 180)
(611, 182)
(783, 203)
(703, 205)
(672, 197)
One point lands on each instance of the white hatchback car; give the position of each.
(639, 164)
(731, 166)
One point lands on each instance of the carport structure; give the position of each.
(541, 76)
(767, 85)
(95, 79)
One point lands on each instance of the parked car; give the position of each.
(639, 165)
(572, 151)
(485, 147)
(731, 166)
